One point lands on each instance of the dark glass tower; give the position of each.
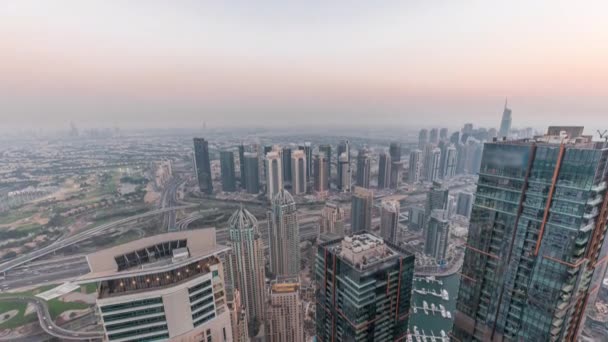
(252, 173)
(384, 171)
(202, 165)
(363, 168)
(361, 210)
(286, 155)
(228, 173)
(242, 165)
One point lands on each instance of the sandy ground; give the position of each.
(151, 195)
(29, 309)
(65, 316)
(10, 314)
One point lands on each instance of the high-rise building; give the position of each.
(438, 231)
(492, 133)
(284, 236)
(396, 167)
(384, 171)
(375, 306)
(228, 172)
(455, 138)
(363, 168)
(238, 318)
(285, 322)
(464, 204)
(326, 148)
(389, 221)
(242, 166)
(434, 136)
(345, 173)
(436, 198)
(251, 167)
(415, 171)
(246, 264)
(286, 158)
(417, 218)
(307, 148)
(202, 165)
(423, 138)
(451, 155)
(274, 180)
(505, 122)
(395, 151)
(432, 164)
(299, 171)
(467, 129)
(537, 226)
(321, 173)
(343, 148)
(362, 202)
(443, 134)
(332, 219)
(164, 287)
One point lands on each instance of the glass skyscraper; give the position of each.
(537, 226)
(228, 172)
(202, 165)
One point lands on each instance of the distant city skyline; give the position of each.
(177, 64)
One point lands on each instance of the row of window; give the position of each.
(139, 322)
(130, 314)
(199, 286)
(133, 304)
(136, 332)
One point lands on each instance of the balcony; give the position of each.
(599, 187)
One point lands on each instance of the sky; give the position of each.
(151, 63)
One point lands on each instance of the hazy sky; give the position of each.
(176, 63)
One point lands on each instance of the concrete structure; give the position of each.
(169, 286)
(432, 164)
(246, 263)
(415, 168)
(321, 173)
(252, 178)
(285, 318)
(505, 122)
(423, 138)
(274, 181)
(384, 171)
(332, 219)
(284, 236)
(361, 210)
(389, 221)
(238, 318)
(375, 305)
(326, 149)
(228, 172)
(438, 232)
(449, 169)
(345, 173)
(364, 165)
(307, 149)
(464, 204)
(536, 231)
(202, 165)
(299, 172)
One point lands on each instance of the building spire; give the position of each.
(506, 101)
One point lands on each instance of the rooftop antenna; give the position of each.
(603, 135)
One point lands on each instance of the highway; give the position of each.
(47, 324)
(47, 271)
(57, 245)
(169, 199)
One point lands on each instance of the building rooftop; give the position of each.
(364, 250)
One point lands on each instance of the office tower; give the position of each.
(298, 172)
(384, 171)
(389, 221)
(267, 148)
(536, 229)
(443, 134)
(380, 277)
(258, 150)
(286, 155)
(443, 147)
(343, 149)
(202, 165)
(395, 174)
(307, 148)
(434, 136)
(321, 173)
(464, 204)
(432, 163)
(242, 166)
(436, 198)
(326, 148)
(455, 138)
(363, 168)
(423, 138)
(345, 173)
(332, 219)
(362, 202)
(492, 133)
(284, 236)
(228, 173)
(467, 129)
(505, 122)
(395, 151)
(450, 162)
(252, 179)
(246, 263)
(415, 171)
(164, 287)
(417, 218)
(461, 158)
(238, 318)
(274, 181)
(285, 322)
(438, 231)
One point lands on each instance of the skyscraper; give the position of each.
(246, 263)
(443, 134)
(285, 321)
(228, 172)
(299, 171)
(242, 166)
(396, 167)
(286, 155)
(432, 164)
(438, 231)
(450, 162)
(537, 226)
(434, 136)
(307, 148)
(284, 236)
(384, 171)
(363, 168)
(436, 198)
(326, 148)
(415, 171)
(464, 204)
(251, 168)
(345, 173)
(362, 202)
(505, 122)
(395, 151)
(375, 306)
(332, 219)
(202, 165)
(238, 318)
(343, 149)
(321, 173)
(274, 181)
(417, 218)
(389, 221)
(423, 138)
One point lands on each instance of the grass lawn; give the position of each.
(89, 288)
(18, 320)
(57, 307)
